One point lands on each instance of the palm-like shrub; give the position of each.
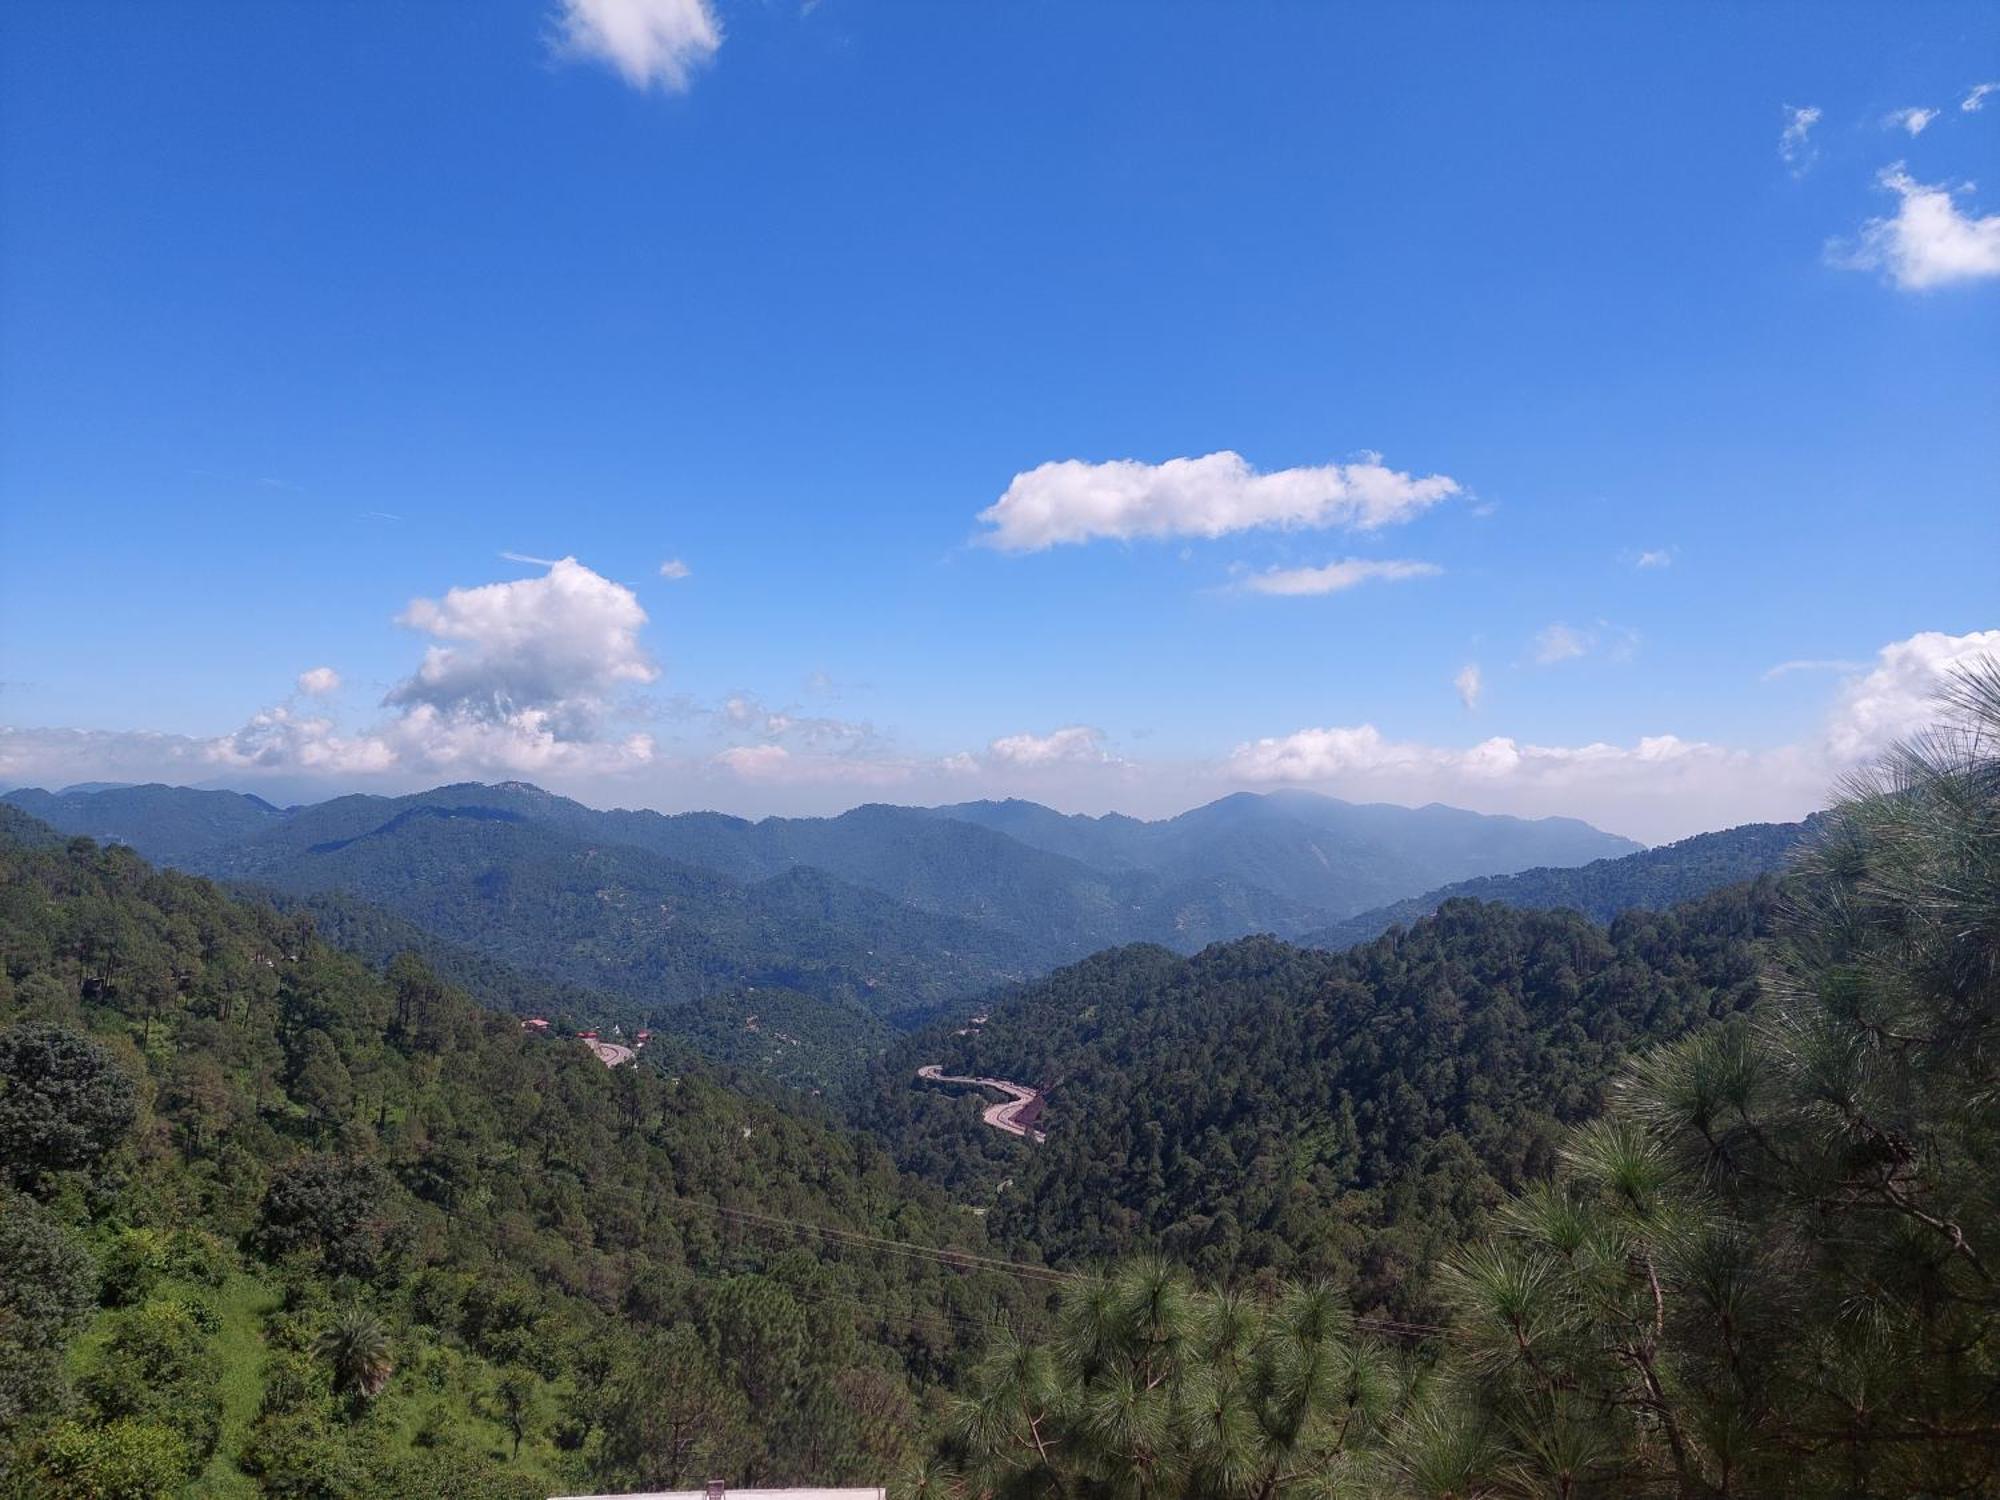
(1772, 1269)
(356, 1348)
(1152, 1388)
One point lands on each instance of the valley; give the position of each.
(821, 1196)
(858, 926)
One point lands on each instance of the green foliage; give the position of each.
(1771, 1270)
(541, 904)
(47, 1291)
(800, 1040)
(64, 1102)
(1260, 1107)
(356, 1350)
(158, 1365)
(522, 1226)
(1151, 1388)
(125, 1459)
(469, 868)
(337, 1209)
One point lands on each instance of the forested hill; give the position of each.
(896, 908)
(278, 1224)
(623, 919)
(174, 825)
(1652, 880)
(1263, 1105)
(1305, 846)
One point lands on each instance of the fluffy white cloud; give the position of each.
(1655, 557)
(555, 645)
(1795, 147)
(1927, 242)
(1914, 120)
(522, 679)
(1071, 744)
(1975, 101)
(674, 569)
(1326, 754)
(1898, 694)
(1336, 576)
(1471, 685)
(1212, 496)
(648, 42)
(277, 739)
(317, 682)
(1560, 642)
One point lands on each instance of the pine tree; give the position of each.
(1771, 1270)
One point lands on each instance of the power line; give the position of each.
(962, 1260)
(970, 1260)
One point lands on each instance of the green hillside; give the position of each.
(276, 1224)
(1262, 1107)
(1650, 880)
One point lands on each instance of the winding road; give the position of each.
(1007, 1115)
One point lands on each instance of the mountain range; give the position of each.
(895, 910)
(1650, 880)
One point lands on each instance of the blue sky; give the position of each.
(1677, 339)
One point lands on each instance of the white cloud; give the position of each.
(1658, 786)
(1795, 147)
(1212, 496)
(1913, 120)
(1975, 101)
(648, 42)
(1899, 694)
(1811, 664)
(555, 645)
(523, 679)
(1337, 576)
(1471, 685)
(1325, 754)
(277, 739)
(1927, 242)
(317, 682)
(1561, 643)
(675, 570)
(1072, 743)
(1656, 557)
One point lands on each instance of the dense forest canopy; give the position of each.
(276, 1221)
(1261, 1106)
(898, 911)
(1767, 1269)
